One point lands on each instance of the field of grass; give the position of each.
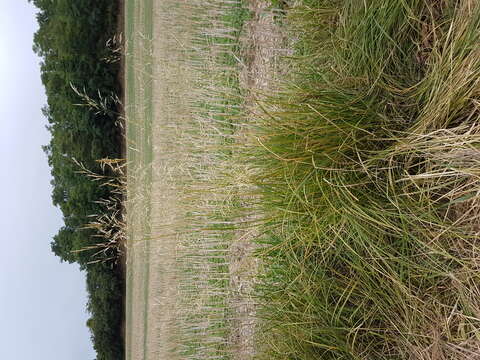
(179, 56)
(347, 171)
(368, 164)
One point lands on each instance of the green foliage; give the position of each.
(369, 188)
(105, 306)
(71, 40)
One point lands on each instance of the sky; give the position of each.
(42, 301)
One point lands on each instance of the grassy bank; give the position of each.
(368, 167)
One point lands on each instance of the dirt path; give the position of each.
(262, 44)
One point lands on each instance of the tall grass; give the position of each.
(368, 165)
(109, 226)
(212, 98)
(196, 95)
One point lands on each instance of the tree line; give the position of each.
(71, 40)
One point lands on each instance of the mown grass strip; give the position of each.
(147, 155)
(130, 103)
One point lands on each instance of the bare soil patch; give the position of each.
(263, 43)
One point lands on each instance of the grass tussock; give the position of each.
(368, 163)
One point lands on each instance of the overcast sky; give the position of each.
(42, 302)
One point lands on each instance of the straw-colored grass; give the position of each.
(178, 196)
(108, 227)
